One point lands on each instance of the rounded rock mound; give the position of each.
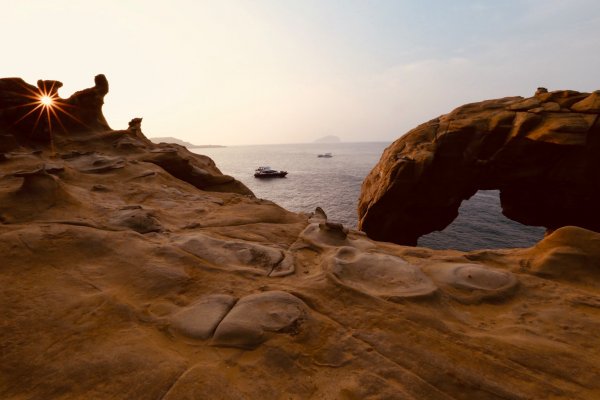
(379, 275)
(569, 254)
(472, 283)
(200, 319)
(256, 317)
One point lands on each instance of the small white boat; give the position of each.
(268, 172)
(325, 155)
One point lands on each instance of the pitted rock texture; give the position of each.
(542, 153)
(123, 277)
(136, 219)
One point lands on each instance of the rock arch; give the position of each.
(542, 153)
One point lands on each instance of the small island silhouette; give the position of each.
(170, 139)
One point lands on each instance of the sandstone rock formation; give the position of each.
(542, 153)
(124, 275)
(78, 128)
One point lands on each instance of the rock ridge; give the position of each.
(75, 125)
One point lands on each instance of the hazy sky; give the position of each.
(277, 71)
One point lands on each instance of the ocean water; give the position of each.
(334, 185)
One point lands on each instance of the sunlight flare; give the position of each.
(46, 106)
(49, 107)
(46, 100)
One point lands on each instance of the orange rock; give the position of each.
(540, 155)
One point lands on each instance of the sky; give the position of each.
(238, 72)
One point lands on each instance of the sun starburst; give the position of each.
(47, 101)
(47, 106)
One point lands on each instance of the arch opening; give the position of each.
(481, 225)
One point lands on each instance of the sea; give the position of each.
(334, 185)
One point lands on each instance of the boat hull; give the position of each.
(280, 174)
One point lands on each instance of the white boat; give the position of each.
(268, 172)
(325, 155)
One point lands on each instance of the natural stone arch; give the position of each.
(542, 153)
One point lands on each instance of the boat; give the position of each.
(268, 172)
(325, 155)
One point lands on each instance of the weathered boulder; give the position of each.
(542, 153)
(568, 254)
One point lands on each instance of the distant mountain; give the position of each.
(328, 139)
(169, 139)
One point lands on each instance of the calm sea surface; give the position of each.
(334, 185)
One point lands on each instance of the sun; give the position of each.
(46, 106)
(46, 100)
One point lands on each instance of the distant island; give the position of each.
(169, 139)
(328, 139)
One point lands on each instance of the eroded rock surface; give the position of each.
(256, 316)
(197, 170)
(542, 153)
(128, 273)
(200, 319)
(470, 283)
(79, 130)
(238, 255)
(382, 275)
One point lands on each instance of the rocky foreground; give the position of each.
(133, 270)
